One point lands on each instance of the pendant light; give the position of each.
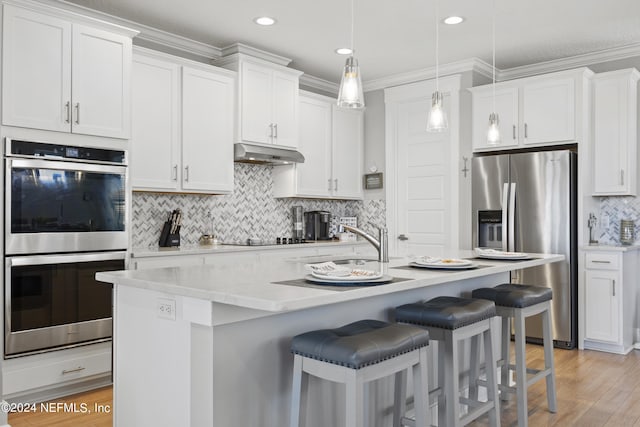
(493, 134)
(351, 94)
(437, 119)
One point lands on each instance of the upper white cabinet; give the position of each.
(615, 106)
(182, 125)
(65, 76)
(534, 111)
(331, 140)
(268, 101)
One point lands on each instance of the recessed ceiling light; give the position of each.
(264, 20)
(344, 51)
(453, 20)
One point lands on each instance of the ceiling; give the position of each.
(393, 37)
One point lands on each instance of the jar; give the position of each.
(627, 231)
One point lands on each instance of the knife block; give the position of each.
(168, 239)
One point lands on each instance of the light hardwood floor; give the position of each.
(594, 389)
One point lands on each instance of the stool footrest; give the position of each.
(476, 412)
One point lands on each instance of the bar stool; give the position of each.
(450, 320)
(519, 302)
(358, 353)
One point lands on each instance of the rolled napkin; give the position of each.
(329, 268)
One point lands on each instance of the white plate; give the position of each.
(356, 275)
(444, 266)
(437, 262)
(496, 254)
(332, 281)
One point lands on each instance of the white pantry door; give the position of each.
(422, 194)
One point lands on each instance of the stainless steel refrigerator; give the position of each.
(526, 202)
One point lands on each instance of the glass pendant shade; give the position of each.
(437, 120)
(351, 94)
(493, 134)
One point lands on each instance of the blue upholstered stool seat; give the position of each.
(446, 312)
(518, 296)
(361, 343)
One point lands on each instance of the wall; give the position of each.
(250, 211)
(374, 155)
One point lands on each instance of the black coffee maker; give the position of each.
(316, 225)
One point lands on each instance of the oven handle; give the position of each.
(18, 261)
(53, 164)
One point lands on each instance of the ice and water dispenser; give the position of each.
(490, 229)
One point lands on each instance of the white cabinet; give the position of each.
(615, 106)
(610, 300)
(331, 140)
(540, 110)
(65, 76)
(183, 125)
(268, 101)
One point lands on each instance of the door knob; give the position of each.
(403, 237)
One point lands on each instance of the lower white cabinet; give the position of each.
(610, 300)
(46, 375)
(332, 142)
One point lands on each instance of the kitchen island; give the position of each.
(209, 345)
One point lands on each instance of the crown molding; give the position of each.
(577, 61)
(256, 53)
(473, 64)
(145, 33)
(319, 84)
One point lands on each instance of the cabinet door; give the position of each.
(36, 70)
(602, 299)
(313, 177)
(155, 142)
(548, 111)
(285, 109)
(347, 153)
(256, 103)
(614, 136)
(207, 131)
(101, 69)
(506, 105)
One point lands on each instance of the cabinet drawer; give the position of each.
(602, 261)
(46, 374)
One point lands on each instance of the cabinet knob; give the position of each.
(186, 173)
(621, 176)
(67, 107)
(275, 127)
(175, 172)
(514, 132)
(335, 184)
(403, 237)
(526, 131)
(77, 113)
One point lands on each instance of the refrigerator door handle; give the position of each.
(505, 221)
(512, 217)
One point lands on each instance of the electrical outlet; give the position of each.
(605, 221)
(166, 308)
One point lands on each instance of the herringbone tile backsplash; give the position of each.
(617, 208)
(250, 211)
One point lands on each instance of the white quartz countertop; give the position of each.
(610, 248)
(223, 248)
(251, 284)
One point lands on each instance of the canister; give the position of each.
(627, 231)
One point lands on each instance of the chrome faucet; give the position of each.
(381, 243)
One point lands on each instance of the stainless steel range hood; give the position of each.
(265, 155)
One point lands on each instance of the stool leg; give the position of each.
(420, 390)
(492, 377)
(400, 398)
(521, 369)
(442, 404)
(296, 389)
(474, 367)
(451, 381)
(506, 356)
(548, 359)
(355, 400)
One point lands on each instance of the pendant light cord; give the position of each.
(493, 44)
(437, 43)
(353, 50)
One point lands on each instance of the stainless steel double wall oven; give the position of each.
(65, 216)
